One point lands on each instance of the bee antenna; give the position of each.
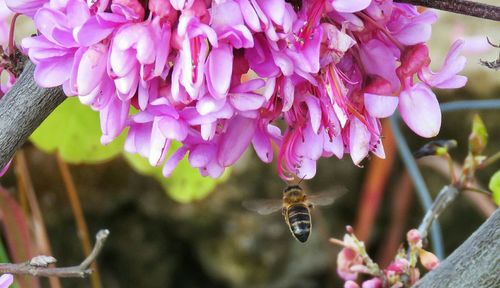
(302, 179)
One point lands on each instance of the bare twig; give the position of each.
(483, 203)
(492, 64)
(34, 268)
(469, 8)
(444, 198)
(418, 180)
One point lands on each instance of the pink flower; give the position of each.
(447, 77)
(372, 283)
(428, 260)
(351, 284)
(6, 280)
(219, 76)
(27, 7)
(347, 259)
(4, 169)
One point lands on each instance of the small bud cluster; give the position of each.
(401, 272)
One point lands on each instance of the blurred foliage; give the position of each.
(184, 185)
(73, 130)
(494, 186)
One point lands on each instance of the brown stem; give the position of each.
(76, 207)
(464, 7)
(40, 231)
(81, 270)
(374, 186)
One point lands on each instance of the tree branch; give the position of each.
(38, 265)
(443, 200)
(464, 7)
(22, 110)
(473, 264)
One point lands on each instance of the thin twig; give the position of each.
(490, 160)
(444, 198)
(422, 191)
(40, 231)
(481, 202)
(490, 104)
(469, 8)
(492, 64)
(76, 207)
(79, 271)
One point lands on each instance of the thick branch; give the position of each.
(36, 269)
(464, 7)
(22, 110)
(473, 264)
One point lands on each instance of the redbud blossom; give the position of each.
(219, 76)
(428, 259)
(6, 280)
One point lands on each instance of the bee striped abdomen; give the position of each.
(299, 220)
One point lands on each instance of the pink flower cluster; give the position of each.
(312, 77)
(402, 272)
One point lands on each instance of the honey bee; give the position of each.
(296, 208)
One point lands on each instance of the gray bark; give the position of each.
(22, 110)
(476, 263)
(464, 7)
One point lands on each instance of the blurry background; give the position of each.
(193, 232)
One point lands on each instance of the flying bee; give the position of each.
(296, 207)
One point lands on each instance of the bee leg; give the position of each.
(310, 205)
(283, 211)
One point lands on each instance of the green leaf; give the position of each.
(478, 139)
(184, 185)
(494, 186)
(73, 130)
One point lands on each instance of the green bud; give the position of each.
(478, 137)
(494, 186)
(437, 147)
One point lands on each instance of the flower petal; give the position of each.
(380, 106)
(359, 140)
(235, 141)
(420, 110)
(219, 69)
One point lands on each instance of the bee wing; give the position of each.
(325, 198)
(263, 206)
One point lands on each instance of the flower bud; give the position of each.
(372, 283)
(478, 137)
(351, 284)
(437, 147)
(349, 229)
(428, 260)
(413, 237)
(414, 58)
